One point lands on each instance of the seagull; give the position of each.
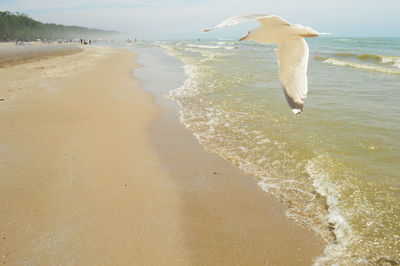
(292, 51)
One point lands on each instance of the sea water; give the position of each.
(336, 166)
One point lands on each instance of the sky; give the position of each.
(184, 19)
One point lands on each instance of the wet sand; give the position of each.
(12, 54)
(93, 171)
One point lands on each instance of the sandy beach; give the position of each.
(12, 54)
(94, 171)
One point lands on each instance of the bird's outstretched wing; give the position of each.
(272, 20)
(266, 20)
(293, 61)
(236, 20)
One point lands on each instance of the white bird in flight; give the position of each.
(292, 51)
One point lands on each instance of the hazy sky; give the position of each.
(179, 19)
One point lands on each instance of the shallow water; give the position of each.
(336, 166)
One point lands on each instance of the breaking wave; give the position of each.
(381, 69)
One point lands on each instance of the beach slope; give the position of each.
(83, 182)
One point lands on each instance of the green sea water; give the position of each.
(336, 166)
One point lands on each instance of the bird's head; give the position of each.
(255, 34)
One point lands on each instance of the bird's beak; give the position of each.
(243, 38)
(309, 35)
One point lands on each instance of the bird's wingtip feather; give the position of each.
(296, 107)
(296, 111)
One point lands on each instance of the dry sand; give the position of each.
(92, 172)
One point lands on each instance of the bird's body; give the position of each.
(263, 34)
(292, 52)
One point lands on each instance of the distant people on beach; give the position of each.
(130, 41)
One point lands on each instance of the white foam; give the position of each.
(204, 46)
(336, 250)
(265, 140)
(345, 40)
(189, 87)
(395, 60)
(211, 46)
(337, 62)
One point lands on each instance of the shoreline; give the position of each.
(90, 177)
(219, 190)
